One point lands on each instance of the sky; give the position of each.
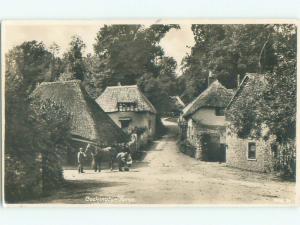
(175, 43)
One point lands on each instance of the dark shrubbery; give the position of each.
(33, 161)
(160, 128)
(36, 133)
(285, 159)
(186, 148)
(22, 178)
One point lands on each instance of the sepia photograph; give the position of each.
(116, 113)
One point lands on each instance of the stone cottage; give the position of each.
(203, 121)
(130, 109)
(248, 153)
(89, 123)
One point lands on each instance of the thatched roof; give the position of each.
(113, 95)
(251, 79)
(216, 95)
(88, 120)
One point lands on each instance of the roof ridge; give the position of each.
(121, 86)
(244, 80)
(216, 85)
(60, 82)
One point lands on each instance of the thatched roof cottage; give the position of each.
(205, 116)
(88, 121)
(129, 108)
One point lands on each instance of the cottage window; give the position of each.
(125, 122)
(220, 111)
(251, 150)
(126, 106)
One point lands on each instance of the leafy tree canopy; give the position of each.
(227, 50)
(131, 54)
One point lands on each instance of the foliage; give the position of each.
(160, 129)
(29, 133)
(285, 159)
(27, 65)
(244, 114)
(33, 160)
(272, 107)
(186, 148)
(226, 50)
(75, 65)
(52, 138)
(131, 54)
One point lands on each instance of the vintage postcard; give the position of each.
(149, 112)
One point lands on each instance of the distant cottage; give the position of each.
(129, 108)
(255, 154)
(204, 121)
(89, 123)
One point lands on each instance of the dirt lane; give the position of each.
(166, 176)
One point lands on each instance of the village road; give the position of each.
(166, 176)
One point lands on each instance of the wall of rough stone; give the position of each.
(237, 154)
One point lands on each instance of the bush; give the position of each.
(33, 160)
(22, 178)
(36, 133)
(186, 148)
(285, 159)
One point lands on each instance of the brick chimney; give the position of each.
(211, 78)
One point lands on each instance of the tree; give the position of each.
(74, 59)
(131, 54)
(57, 66)
(274, 106)
(29, 133)
(27, 65)
(51, 123)
(227, 50)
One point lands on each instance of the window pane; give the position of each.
(219, 111)
(251, 151)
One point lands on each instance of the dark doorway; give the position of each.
(215, 151)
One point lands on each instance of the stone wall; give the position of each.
(237, 154)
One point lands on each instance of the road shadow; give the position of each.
(75, 190)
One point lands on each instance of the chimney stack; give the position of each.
(211, 78)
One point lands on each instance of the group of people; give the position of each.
(123, 158)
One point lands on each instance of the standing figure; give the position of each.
(96, 156)
(80, 158)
